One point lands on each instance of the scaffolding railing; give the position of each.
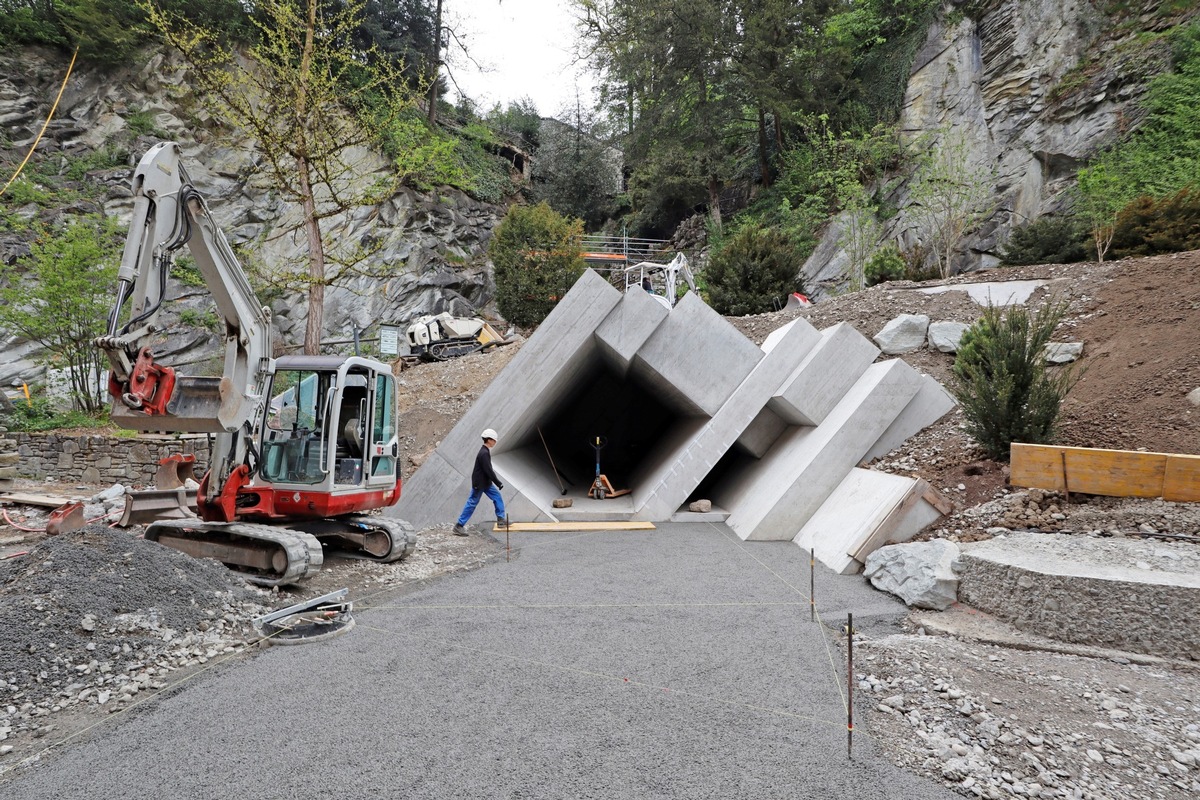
(623, 250)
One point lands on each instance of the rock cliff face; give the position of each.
(432, 249)
(1036, 88)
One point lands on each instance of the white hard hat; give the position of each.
(489, 434)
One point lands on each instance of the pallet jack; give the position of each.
(601, 487)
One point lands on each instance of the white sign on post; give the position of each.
(389, 340)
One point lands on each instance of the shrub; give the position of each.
(1046, 240)
(751, 270)
(39, 414)
(1147, 226)
(537, 257)
(23, 192)
(1001, 381)
(885, 264)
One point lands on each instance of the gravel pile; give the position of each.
(992, 723)
(97, 616)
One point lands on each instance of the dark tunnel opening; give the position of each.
(626, 416)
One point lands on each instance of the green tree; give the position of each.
(537, 255)
(303, 97)
(575, 171)
(949, 197)
(1103, 191)
(1001, 380)
(752, 271)
(59, 297)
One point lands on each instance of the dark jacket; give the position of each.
(482, 477)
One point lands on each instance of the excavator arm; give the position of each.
(168, 215)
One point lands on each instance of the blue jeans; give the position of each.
(493, 494)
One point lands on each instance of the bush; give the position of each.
(752, 270)
(1046, 240)
(1001, 381)
(537, 258)
(885, 264)
(1147, 226)
(39, 414)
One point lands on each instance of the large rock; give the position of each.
(922, 574)
(429, 252)
(1037, 88)
(903, 334)
(1063, 352)
(945, 336)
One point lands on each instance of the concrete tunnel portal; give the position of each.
(690, 408)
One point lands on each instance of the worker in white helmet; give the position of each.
(483, 481)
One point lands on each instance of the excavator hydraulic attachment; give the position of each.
(171, 497)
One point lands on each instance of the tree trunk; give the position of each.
(312, 223)
(316, 265)
(437, 64)
(764, 165)
(714, 201)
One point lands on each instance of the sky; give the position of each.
(526, 46)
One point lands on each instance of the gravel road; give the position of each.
(673, 663)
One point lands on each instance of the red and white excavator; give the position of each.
(302, 446)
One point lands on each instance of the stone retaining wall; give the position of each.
(1097, 610)
(100, 459)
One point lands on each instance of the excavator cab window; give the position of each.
(294, 445)
(383, 444)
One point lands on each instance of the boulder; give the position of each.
(945, 336)
(1063, 352)
(903, 334)
(922, 574)
(562, 502)
(1194, 396)
(700, 506)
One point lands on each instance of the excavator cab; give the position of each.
(331, 425)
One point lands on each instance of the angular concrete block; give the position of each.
(865, 506)
(830, 369)
(929, 405)
(780, 493)
(679, 365)
(690, 459)
(627, 327)
(763, 432)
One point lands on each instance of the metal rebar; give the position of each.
(812, 598)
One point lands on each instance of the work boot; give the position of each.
(502, 522)
(459, 530)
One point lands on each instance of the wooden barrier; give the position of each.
(1114, 473)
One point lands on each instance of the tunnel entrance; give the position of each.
(641, 431)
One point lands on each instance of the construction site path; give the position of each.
(673, 663)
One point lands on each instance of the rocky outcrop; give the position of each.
(430, 251)
(1036, 87)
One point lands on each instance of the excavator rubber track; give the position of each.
(401, 535)
(446, 349)
(264, 554)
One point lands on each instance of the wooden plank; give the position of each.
(26, 499)
(1114, 473)
(1181, 484)
(1036, 466)
(563, 527)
